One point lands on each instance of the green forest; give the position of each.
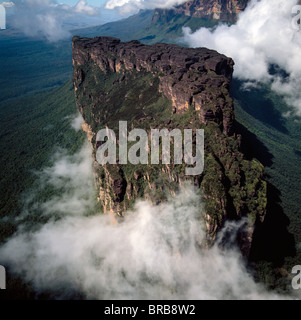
(37, 104)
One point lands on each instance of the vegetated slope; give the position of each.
(125, 29)
(222, 10)
(275, 141)
(142, 27)
(31, 128)
(162, 25)
(34, 122)
(29, 65)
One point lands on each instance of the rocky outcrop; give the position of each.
(167, 86)
(197, 78)
(223, 10)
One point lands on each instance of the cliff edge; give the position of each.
(222, 10)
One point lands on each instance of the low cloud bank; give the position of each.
(47, 19)
(262, 37)
(153, 254)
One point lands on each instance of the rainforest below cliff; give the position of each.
(252, 152)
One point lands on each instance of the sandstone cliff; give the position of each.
(223, 10)
(166, 86)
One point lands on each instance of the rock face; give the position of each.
(224, 10)
(197, 78)
(167, 86)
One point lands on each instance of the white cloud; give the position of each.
(133, 6)
(46, 18)
(153, 254)
(76, 122)
(73, 175)
(262, 36)
(7, 4)
(83, 8)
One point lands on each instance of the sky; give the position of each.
(95, 3)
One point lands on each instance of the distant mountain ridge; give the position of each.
(165, 25)
(223, 10)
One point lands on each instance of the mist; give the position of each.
(262, 37)
(125, 7)
(76, 122)
(50, 20)
(154, 253)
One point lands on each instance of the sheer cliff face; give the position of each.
(224, 10)
(166, 86)
(187, 77)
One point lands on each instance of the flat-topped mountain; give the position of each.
(167, 86)
(197, 78)
(223, 10)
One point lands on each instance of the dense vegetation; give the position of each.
(140, 27)
(29, 65)
(31, 127)
(275, 141)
